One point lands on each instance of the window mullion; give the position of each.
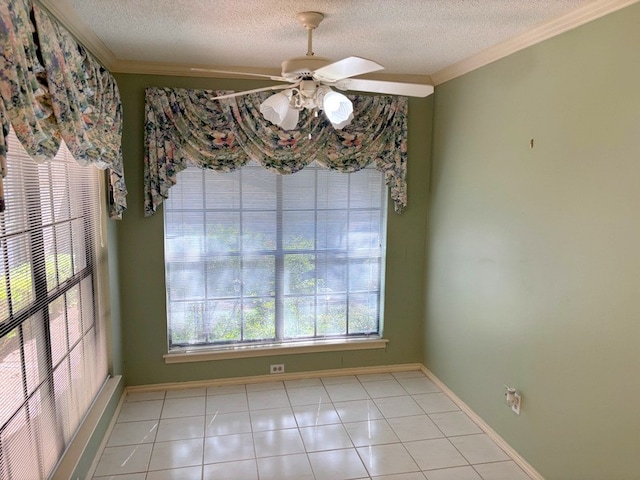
(349, 253)
(315, 251)
(279, 284)
(241, 247)
(38, 261)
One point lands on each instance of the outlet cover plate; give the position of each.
(279, 368)
(516, 405)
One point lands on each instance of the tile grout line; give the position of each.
(332, 403)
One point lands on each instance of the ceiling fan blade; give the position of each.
(345, 68)
(255, 90)
(248, 74)
(379, 86)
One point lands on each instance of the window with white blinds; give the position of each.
(256, 257)
(52, 354)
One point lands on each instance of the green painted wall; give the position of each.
(141, 267)
(114, 324)
(534, 260)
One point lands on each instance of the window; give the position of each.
(52, 358)
(252, 256)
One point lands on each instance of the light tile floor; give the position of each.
(382, 426)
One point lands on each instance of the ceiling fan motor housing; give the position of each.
(302, 67)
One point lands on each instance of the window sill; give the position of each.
(247, 351)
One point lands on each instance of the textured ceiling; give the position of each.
(419, 37)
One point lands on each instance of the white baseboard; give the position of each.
(275, 377)
(515, 456)
(105, 439)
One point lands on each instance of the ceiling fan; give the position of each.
(310, 81)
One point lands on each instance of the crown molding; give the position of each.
(592, 11)
(544, 31)
(63, 12)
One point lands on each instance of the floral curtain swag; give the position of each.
(53, 90)
(188, 127)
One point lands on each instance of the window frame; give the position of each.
(280, 343)
(54, 381)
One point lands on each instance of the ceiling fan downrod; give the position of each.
(310, 21)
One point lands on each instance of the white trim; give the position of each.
(69, 461)
(544, 31)
(65, 14)
(515, 456)
(314, 346)
(336, 372)
(592, 11)
(107, 435)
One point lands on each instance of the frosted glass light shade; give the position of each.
(278, 111)
(290, 120)
(338, 109)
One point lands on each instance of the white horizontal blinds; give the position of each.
(254, 256)
(52, 354)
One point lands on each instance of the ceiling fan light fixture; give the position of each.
(341, 125)
(277, 109)
(338, 108)
(290, 120)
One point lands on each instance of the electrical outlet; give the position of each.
(279, 368)
(513, 399)
(515, 406)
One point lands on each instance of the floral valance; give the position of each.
(53, 90)
(187, 127)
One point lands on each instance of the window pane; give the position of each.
(35, 352)
(332, 228)
(258, 275)
(363, 313)
(20, 275)
(86, 296)
(258, 189)
(224, 278)
(298, 230)
(188, 194)
(364, 231)
(16, 439)
(74, 323)
(332, 273)
(222, 191)
(223, 232)
(226, 320)
(62, 258)
(79, 246)
(58, 329)
(259, 319)
(299, 317)
(332, 314)
(364, 275)
(333, 190)
(10, 375)
(185, 281)
(297, 190)
(283, 256)
(299, 274)
(259, 231)
(187, 319)
(367, 180)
